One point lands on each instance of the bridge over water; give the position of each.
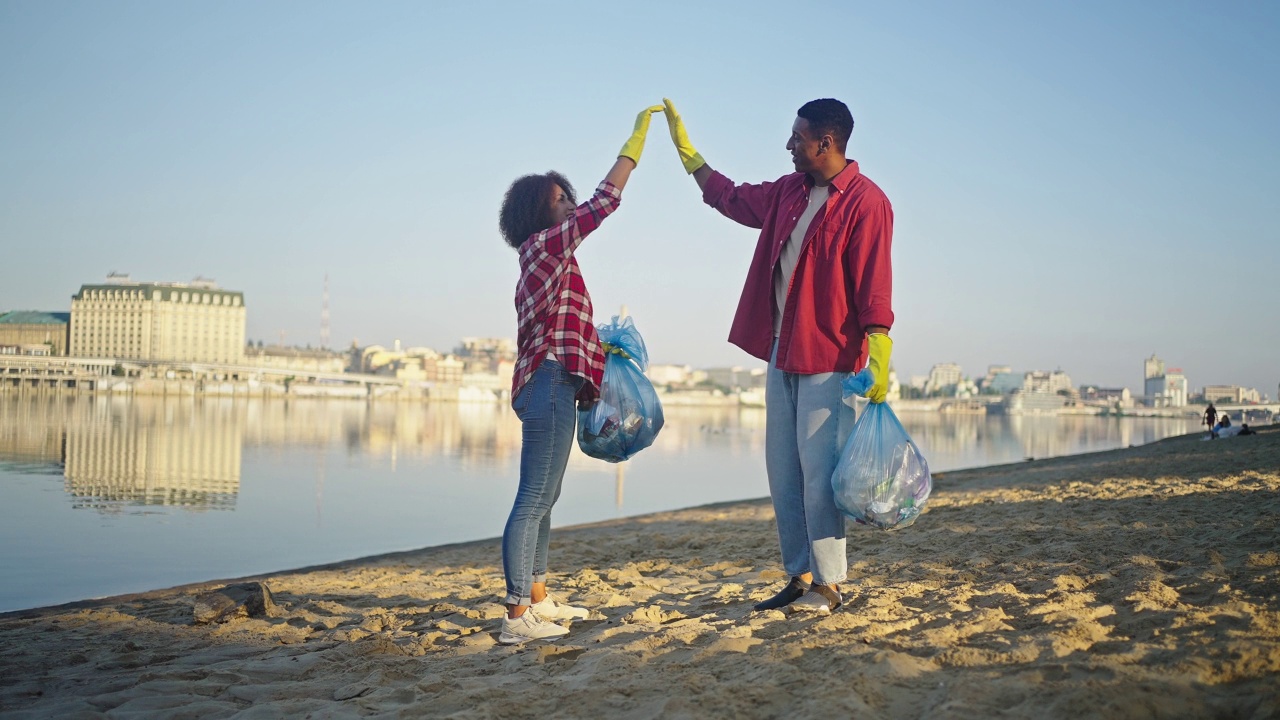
(71, 373)
(55, 373)
(1272, 408)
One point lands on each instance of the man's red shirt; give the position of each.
(843, 280)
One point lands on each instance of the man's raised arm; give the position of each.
(745, 204)
(692, 161)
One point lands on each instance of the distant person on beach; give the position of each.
(559, 362)
(816, 307)
(1225, 430)
(1222, 427)
(1210, 419)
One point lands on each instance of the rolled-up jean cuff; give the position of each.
(511, 599)
(540, 578)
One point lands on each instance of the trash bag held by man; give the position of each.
(628, 415)
(882, 479)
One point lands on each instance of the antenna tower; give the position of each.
(324, 316)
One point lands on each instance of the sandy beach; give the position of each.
(1136, 583)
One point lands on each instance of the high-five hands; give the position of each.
(688, 156)
(635, 144)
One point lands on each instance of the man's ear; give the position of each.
(826, 143)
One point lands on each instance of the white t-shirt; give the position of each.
(791, 253)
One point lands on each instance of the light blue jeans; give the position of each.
(549, 416)
(806, 425)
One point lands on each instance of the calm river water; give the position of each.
(104, 495)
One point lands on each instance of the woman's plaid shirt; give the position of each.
(553, 309)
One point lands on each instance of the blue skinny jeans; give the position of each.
(549, 416)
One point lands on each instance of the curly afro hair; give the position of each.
(526, 208)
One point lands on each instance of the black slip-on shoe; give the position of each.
(789, 594)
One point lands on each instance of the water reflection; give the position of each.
(30, 435)
(730, 429)
(187, 452)
(115, 452)
(473, 435)
(961, 441)
(477, 435)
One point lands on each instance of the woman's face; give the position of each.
(561, 205)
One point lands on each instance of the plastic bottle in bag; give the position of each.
(882, 479)
(628, 415)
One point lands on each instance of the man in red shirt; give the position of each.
(816, 306)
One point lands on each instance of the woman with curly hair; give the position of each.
(559, 362)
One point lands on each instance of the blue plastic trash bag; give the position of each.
(882, 479)
(628, 415)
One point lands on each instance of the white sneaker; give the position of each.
(529, 627)
(820, 599)
(552, 610)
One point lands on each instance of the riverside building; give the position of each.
(943, 379)
(1161, 387)
(33, 333)
(126, 320)
(1234, 394)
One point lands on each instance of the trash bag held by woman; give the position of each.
(628, 415)
(881, 479)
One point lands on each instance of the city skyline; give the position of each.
(170, 295)
(1072, 188)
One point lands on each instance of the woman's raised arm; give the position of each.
(629, 155)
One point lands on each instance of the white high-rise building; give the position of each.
(1163, 387)
(1152, 367)
(1042, 381)
(943, 379)
(196, 322)
(1168, 390)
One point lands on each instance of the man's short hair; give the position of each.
(829, 117)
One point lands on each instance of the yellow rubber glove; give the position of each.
(878, 348)
(635, 144)
(688, 156)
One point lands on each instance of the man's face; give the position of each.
(804, 146)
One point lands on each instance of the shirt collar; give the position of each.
(842, 179)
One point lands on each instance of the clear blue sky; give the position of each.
(1076, 185)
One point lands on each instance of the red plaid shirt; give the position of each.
(553, 309)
